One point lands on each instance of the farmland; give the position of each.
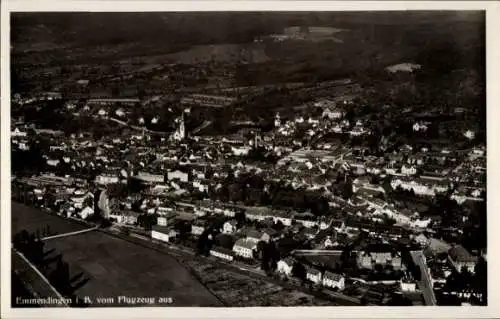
(114, 267)
(239, 290)
(31, 219)
(110, 267)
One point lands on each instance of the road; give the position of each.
(425, 283)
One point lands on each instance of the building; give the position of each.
(244, 248)
(379, 255)
(105, 179)
(197, 228)
(257, 236)
(285, 266)
(277, 120)
(125, 217)
(459, 257)
(313, 275)
(407, 285)
(178, 175)
(333, 280)
(18, 133)
(205, 100)
(150, 178)
(229, 227)
(408, 170)
(86, 212)
(222, 253)
(161, 221)
(163, 233)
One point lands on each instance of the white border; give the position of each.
(493, 178)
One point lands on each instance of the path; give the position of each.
(71, 233)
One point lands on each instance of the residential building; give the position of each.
(222, 253)
(229, 227)
(244, 248)
(313, 275)
(285, 266)
(161, 221)
(407, 285)
(178, 175)
(150, 178)
(333, 280)
(163, 233)
(459, 257)
(198, 227)
(105, 179)
(86, 212)
(257, 236)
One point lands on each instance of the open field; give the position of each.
(113, 267)
(31, 219)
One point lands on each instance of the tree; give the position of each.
(240, 218)
(299, 271)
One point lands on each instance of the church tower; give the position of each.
(277, 120)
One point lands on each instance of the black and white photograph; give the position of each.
(248, 159)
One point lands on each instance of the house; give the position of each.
(379, 255)
(422, 240)
(161, 221)
(79, 197)
(257, 236)
(105, 179)
(18, 133)
(244, 248)
(407, 285)
(313, 275)
(222, 253)
(198, 227)
(178, 175)
(332, 113)
(285, 266)
(310, 233)
(163, 233)
(229, 227)
(86, 212)
(124, 217)
(150, 178)
(333, 280)
(459, 257)
(338, 225)
(408, 170)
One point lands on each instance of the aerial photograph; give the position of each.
(248, 159)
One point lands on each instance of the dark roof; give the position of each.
(333, 276)
(161, 229)
(460, 254)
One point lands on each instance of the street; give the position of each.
(425, 282)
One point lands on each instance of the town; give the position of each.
(348, 193)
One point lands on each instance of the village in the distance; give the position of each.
(291, 163)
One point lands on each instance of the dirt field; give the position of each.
(112, 267)
(31, 219)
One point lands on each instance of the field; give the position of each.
(31, 219)
(113, 267)
(106, 266)
(238, 290)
